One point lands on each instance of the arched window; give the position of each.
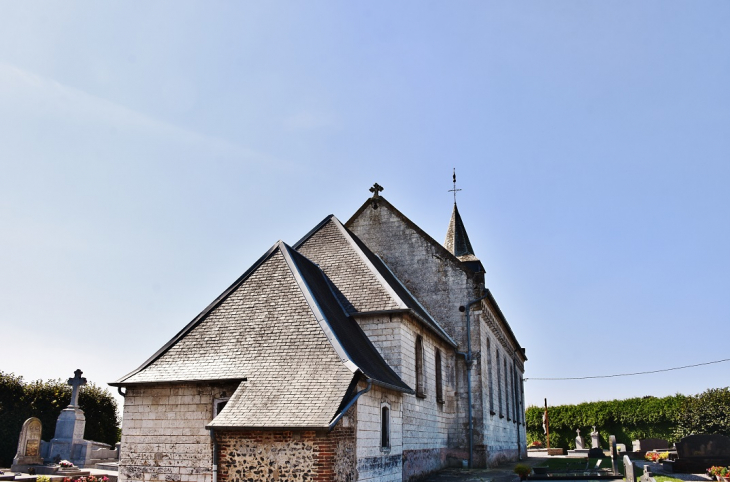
(384, 427)
(506, 389)
(499, 386)
(490, 377)
(420, 381)
(439, 380)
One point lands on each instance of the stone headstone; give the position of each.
(697, 452)
(646, 476)
(594, 439)
(629, 469)
(579, 441)
(647, 444)
(614, 454)
(29, 445)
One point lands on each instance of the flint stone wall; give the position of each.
(287, 456)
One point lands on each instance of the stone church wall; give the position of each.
(503, 426)
(373, 462)
(421, 432)
(163, 432)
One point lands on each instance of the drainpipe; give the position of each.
(349, 405)
(469, 359)
(215, 455)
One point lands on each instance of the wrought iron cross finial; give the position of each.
(376, 189)
(76, 383)
(454, 190)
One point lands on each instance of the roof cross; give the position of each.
(454, 190)
(376, 189)
(76, 383)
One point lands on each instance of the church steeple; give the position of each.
(457, 241)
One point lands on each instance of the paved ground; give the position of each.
(503, 473)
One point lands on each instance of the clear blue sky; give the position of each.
(150, 152)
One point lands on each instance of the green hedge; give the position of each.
(20, 400)
(669, 418)
(628, 420)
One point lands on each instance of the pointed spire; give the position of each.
(457, 241)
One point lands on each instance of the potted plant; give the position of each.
(522, 470)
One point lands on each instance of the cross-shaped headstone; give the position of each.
(376, 189)
(76, 382)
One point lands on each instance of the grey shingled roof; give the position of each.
(282, 330)
(361, 277)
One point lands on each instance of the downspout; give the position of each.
(469, 359)
(348, 406)
(215, 455)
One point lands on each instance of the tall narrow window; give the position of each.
(499, 386)
(515, 395)
(506, 388)
(384, 427)
(420, 382)
(489, 377)
(439, 380)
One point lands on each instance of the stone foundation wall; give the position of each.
(289, 456)
(163, 432)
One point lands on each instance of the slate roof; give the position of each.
(364, 281)
(282, 330)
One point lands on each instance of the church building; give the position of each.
(365, 351)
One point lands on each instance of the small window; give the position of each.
(385, 427)
(439, 379)
(218, 405)
(420, 385)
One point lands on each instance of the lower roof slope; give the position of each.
(281, 329)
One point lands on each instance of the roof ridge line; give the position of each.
(204, 314)
(371, 267)
(311, 232)
(309, 297)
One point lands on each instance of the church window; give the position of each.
(384, 427)
(499, 386)
(439, 378)
(219, 404)
(420, 382)
(506, 388)
(489, 377)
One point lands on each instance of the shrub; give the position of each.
(708, 412)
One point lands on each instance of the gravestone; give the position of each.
(697, 452)
(647, 476)
(594, 439)
(614, 454)
(29, 446)
(70, 424)
(647, 444)
(629, 469)
(579, 441)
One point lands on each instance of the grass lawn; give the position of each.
(577, 464)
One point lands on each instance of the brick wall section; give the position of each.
(163, 432)
(287, 456)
